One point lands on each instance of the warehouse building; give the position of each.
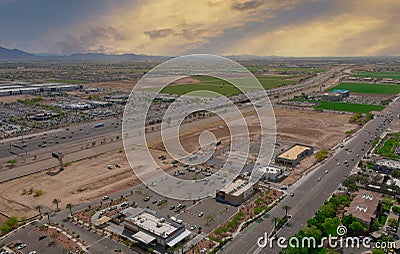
(148, 228)
(335, 95)
(237, 192)
(331, 97)
(293, 155)
(10, 90)
(342, 92)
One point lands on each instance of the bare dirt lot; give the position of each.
(79, 182)
(89, 179)
(323, 130)
(117, 85)
(14, 98)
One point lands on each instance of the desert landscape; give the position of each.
(90, 179)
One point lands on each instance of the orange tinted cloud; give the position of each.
(174, 27)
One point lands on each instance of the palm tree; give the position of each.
(286, 208)
(69, 206)
(48, 216)
(38, 207)
(180, 247)
(275, 220)
(56, 201)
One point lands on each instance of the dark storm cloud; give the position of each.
(252, 4)
(159, 33)
(73, 44)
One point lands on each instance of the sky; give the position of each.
(303, 28)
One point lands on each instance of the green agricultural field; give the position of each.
(269, 82)
(288, 69)
(348, 107)
(368, 88)
(388, 149)
(220, 86)
(371, 74)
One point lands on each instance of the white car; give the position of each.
(319, 179)
(193, 227)
(201, 214)
(21, 246)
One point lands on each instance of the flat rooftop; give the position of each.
(237, 187)
(153, 224)
(270, 169)
(293, 152)
(388, 163)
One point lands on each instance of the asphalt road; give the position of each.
(58, 138)
(309, 193)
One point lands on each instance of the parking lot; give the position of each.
(33, 241)
(206, 213)
(214, 214)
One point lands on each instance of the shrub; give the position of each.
(321, 155)
(38, 193)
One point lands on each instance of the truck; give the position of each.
(98, 125)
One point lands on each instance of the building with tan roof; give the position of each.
(293, 155)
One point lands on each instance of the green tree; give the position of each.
(286, 208)
(38, 208)
(347, 220)
(377, 251)
(10, 224)
(56, 202)
(396, 209)
(275, 220)
(12, 162)
(356, 227)
(393, 223)
(330, 225)
(69, 206)
(321, 155)
(48, 216)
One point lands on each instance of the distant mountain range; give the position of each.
(15, 54)
(18, 55)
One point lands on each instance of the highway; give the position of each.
(76, 142)
(309, 193)
(59, 137)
